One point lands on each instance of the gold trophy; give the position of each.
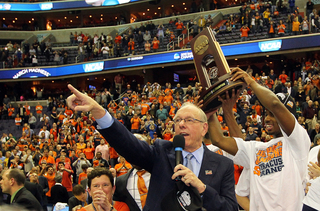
(212, 69)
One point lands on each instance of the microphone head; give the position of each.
(178, 141)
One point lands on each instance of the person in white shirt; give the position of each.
(277, 168)
(105, 51)
(45, 131)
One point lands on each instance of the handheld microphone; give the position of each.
(178, 144)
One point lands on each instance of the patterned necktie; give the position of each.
(142, 188)
(189, 164)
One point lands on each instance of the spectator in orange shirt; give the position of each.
(271, 29)
(118, 39)
(135, 123)
(179, 27)
(269, 82)
(283, 77)
(89, 151)
(144, 107)
(131, 46)
(281, 28)
(39, 109)
(68, 112)
(50, 175)
(81, 145)
(167, 134)
(172, 36)
(155, 44)
(18, 121)
(113, 156)
(123, 167)
(47, 158)
(83, 174)
(168, 98)
(244, 33)
(11, 111)
(27, 108)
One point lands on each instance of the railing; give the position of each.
(170, 46)
(181, 37)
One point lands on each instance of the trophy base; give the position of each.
(219, 88)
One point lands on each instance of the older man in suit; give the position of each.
(211, 174)
(12, 183)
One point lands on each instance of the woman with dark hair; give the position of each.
(101, 188)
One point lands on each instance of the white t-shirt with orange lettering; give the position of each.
(277, 169)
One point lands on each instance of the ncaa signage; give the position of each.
(46, 6)
(176, 56)
(93, 67)
(273, 45)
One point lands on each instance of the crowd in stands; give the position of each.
(271, 19)
(48, 141)
(255, 20)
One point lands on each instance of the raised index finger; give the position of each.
(74, 90)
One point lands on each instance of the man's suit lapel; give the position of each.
(208, 167)
(18, 194)
(171, 157)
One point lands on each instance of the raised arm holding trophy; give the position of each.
(213, 70)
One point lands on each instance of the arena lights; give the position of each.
(172, 5)
(16, 19)
(183, 3)
(77, 16)
(148, 10)
(159, 8)
(32, 19)
(65, 17)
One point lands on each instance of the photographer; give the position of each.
(37, 156)
(78, 163)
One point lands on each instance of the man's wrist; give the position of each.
(202, 189)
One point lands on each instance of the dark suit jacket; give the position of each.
(72, 202)
(43, 182)
(59, 194)
(216, 172)
(35, 189)
(122, 194)
(26, 199)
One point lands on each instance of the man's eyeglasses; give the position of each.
(187, 120)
